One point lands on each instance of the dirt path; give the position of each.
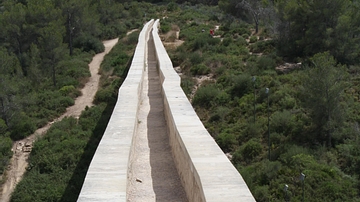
(21, 149)
(153, 175)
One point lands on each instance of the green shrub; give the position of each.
(287, 102)
(75, 68)
(132, 38)
(266, 63)
(200, 69)
(242, 50)
(220, 114)
(165, 28)
(88, 43)
(241, 41)
(205, 96)
(226, 141)
(68, 81)
(251, 149)
(222, 98)
(276, 138)
(199, 43)
(290, 151)
(3, 127)
(203, 40)
(104, 95)
(196, 58)
(253, 130)
(281, 122)
(220, 70)
(172, 6)
(66, 90)
(90, 117)
(241, 31)
(64, 102)
(253, 39)
(121, 59)
(261, 193)
(227, 41)
(5, 146)
(21, 126)
(113, 30)
(187, 85)
(245, 36)
(241, 85)
(265, 47)
(5, 153)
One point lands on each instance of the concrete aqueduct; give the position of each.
(205, 172)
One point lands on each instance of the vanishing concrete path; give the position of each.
(153, 175)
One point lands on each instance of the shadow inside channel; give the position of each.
(166, 181)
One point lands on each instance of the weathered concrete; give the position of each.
(107, 178)
(152, 175)
(205, 171)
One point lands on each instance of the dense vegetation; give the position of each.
(307, 120)
(59, 161)
(45, 49)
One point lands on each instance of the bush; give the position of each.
(227, 41)
(245, 36)
(205, 96)
(253, 39)
(203, 40)
(266, 63)
(241, 85)
(112, 31)
(219, 114)
(196, 58)
(105, 95)
(226, 141)
(200, 69)
(165, 27)
(187, 85)
(5, 153)
(132, 38)
(222, 98)
(21, 126)
(281, 122)
(75, 68)
(253, 130)
(251, 149)
(3, 127)
(121, 59)
(265, 47)
(5, 147)
(66, 90)
(88, 43)
(241, 41)
(172, 6)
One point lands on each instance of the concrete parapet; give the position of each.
(206, 173)
(106, 179)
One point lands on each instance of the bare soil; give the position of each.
(22, 148)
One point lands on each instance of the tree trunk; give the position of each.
(70, 33)
(53, 74)
(256, 27)
(3, 112)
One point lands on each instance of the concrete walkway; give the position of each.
(153, 175)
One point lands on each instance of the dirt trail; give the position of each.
(21, 149)
(153, 175)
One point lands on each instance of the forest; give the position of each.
(282, 98)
